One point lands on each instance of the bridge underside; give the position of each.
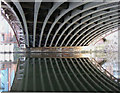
(60, 24)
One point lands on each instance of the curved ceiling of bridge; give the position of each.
(55, 24)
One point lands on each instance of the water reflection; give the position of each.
(110, 62)
(54, 72)
(8, 67)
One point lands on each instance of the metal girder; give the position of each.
(36, 11)
(103, 28)
(55, 6)
(77, 26)
(79, 22)
(92, 27)
(18, 6)
(9, 7)
(99, 27)
(100, 33)
(40, 22)
(75, 5)
(72, 16)
(87, 30)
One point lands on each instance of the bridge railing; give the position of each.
(105, 71)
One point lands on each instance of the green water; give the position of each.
(55, 72)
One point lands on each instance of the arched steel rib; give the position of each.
(104, 28)
(91, 42)
(17, 20)
(101, 33)
(18, 6)
(99, 27)
(87, 30)
(86, 34)
(78, 26)
(56, 5)
(72, 16)
(80, 35)
(80, 29)
(72, 6)
(75, 13)
(11, 27)
(36, 11)
(66, 20)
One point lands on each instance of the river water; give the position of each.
(54, 71)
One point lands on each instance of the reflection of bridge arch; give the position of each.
(62, 74)
(54, 24)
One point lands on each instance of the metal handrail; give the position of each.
(105, 71)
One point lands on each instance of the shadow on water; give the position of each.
(59, 72)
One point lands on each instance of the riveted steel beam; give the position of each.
(72, 16)
(82, 27)
(99, 27)
(36, 10)
(55, 6)
(72, 6)
(19, 7)
(101, 32)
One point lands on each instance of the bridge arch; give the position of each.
(60, 24)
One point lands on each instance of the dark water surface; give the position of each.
(58, 72)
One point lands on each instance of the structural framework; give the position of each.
(59, 24)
